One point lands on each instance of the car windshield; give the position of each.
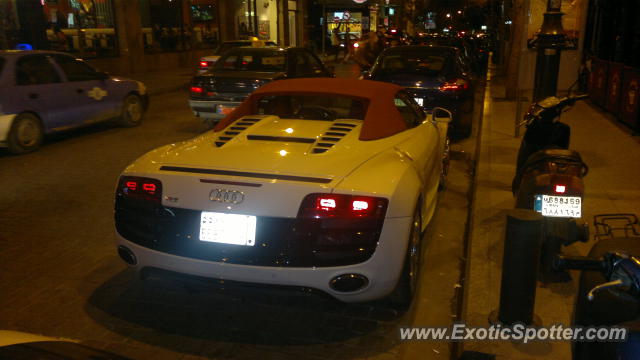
(252, 60)
(312, 107)
(415, 62)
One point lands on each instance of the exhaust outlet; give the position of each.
(127, 255)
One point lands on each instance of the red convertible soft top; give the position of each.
(381, 120)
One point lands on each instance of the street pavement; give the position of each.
(60, 275)
(611, 186)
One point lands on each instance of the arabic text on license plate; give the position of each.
(558, 206)
(228, 228)
(225, 109)
(419, 101)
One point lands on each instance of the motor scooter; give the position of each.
(549, 177)
(609, 287)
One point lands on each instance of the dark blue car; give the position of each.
(43, 92)
(434, 76)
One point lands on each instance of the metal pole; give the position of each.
(549, 44)
(324, 30)
(521, 257)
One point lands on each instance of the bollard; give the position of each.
(523, 238)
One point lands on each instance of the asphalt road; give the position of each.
(60, 275)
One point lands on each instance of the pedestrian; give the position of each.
(366, 54)
(335, 43)
(60, 39)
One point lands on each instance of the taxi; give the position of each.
(43, 92)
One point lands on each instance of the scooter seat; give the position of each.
(545, 155)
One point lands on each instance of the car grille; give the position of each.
(176, 231)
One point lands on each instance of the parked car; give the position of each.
(206, 62)
(316, 183)
(242, 70)
(472, 56)
(43, 92)
(434, 76)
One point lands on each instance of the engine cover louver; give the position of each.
(235, 129)
(335, 133)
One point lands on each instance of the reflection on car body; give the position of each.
(338, 178)
(42, 92)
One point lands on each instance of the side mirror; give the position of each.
(441, 115)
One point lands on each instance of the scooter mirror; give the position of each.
(608, 285)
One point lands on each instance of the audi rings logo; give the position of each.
(226, 196)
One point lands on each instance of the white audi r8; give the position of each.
(316, 183)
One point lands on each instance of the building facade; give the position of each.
(124, 36)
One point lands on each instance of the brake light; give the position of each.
(327, 204)
(196, 90)
(340, 227)
(204, 64)
(316, 206)
(455, 85)
(560, 189)
(141, 188)
(359, 205)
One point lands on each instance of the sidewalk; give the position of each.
(611, 186)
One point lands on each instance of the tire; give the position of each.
(132, 111)
(402, 296)
(463, 126)
(446, 160)
(25, 135)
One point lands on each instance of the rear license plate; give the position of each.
(225, 110)
(420, 101)
(228, 228)
(558, 206)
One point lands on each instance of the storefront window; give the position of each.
(82, 27)
(254, 18)
(176, 25)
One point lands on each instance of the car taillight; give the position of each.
(318, 206)
(205, 64)
(340, 223)
(196, 90)
(455, 85)
(560, 189)
(141, 188)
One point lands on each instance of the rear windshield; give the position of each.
(415, 62)
(312, 107)
(252, 60)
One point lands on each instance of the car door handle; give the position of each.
(33, 96)
(79, 91)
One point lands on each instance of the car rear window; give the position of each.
(415, 62)
(313, 107)
(251, 60)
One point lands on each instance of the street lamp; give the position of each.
(549, 43)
